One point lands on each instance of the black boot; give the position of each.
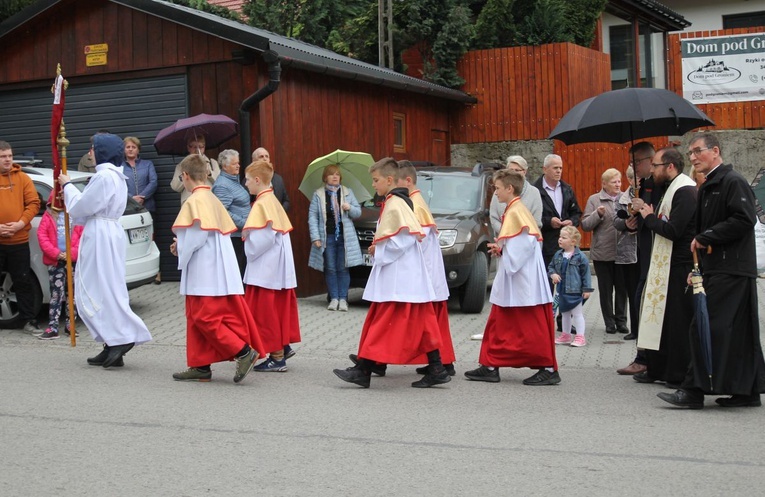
(436, 372)
(99, 359)
(376, 368)
(114, 357)
(355, 375)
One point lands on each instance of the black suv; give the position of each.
(459, 199)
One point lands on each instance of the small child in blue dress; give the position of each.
(570, 271)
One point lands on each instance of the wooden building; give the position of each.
(136, 66)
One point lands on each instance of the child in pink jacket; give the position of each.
(52, 239)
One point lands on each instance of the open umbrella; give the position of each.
(702, 317)
(355, 170)
(629, 114)
(216, 129)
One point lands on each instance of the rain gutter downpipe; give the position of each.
(274, 78)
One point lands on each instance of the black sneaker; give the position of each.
(483, 374)
(449, 369)
(289, 352)
(378, 369)
(543, 377)
(432, 379)
(354, 375)
(49, 334)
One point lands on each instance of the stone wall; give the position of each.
(745, 149)
(534, 151)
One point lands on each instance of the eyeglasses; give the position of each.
(638, 161)
(659, 164)
(696, 151)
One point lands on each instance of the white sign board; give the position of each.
(724, 68)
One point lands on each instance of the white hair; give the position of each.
(551, 157)
(225, 157)
(517, 159)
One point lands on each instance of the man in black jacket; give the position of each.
(725, 218)
(559, 205)
(277, 183)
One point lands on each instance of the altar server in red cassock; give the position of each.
(434, 261)
(270, 279)
(520, 332)
(401, 324)
(219, 325)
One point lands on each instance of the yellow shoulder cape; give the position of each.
(515, 219)
(265, 210)
(395, 215)
(421, 210)
(204, 207)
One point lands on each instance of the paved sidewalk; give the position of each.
(334, 335)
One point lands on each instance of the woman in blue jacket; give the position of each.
(334, 243)
(141, 179)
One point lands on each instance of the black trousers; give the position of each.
(15, 259)
(610, 281)
(630, 274)
(241, 258)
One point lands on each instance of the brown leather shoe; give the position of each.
(633, 369)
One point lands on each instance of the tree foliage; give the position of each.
(495, 25)
(10, 7)
(206, 7)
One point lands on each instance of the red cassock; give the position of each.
(447, 348)
(276, 314)
(217, 329)
(399, 332)
(519, 337)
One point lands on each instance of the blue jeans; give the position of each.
(336, 274)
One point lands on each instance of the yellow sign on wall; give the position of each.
(95, 59)
(99, 48)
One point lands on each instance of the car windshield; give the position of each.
(450, 192)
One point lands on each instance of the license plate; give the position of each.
(139, 235)
(368, 260)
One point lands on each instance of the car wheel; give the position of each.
(9, 307)
(473, 292)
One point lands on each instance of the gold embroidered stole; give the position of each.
(654, 301)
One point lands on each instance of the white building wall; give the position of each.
(657, 41)
(706, 15)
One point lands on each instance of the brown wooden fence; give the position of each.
(733, 115)
(524, 91)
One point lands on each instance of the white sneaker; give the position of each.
(477, 336)
(32, 328)
(333, 305)
(342, 305)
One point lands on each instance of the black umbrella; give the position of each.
(702, 318)
(629, 114)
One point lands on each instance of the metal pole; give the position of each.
(389, 41)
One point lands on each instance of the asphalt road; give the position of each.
(71, 429)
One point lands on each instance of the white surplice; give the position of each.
(100, 289)
(434, 262)
(398, 272)
(207, 263)
(521, 279)
(270, 263)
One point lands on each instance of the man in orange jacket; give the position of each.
(19, 203)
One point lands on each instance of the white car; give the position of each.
(141, 261)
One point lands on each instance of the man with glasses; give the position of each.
(725, 218)
(19, 204)
(641, 155)
(667, 307)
